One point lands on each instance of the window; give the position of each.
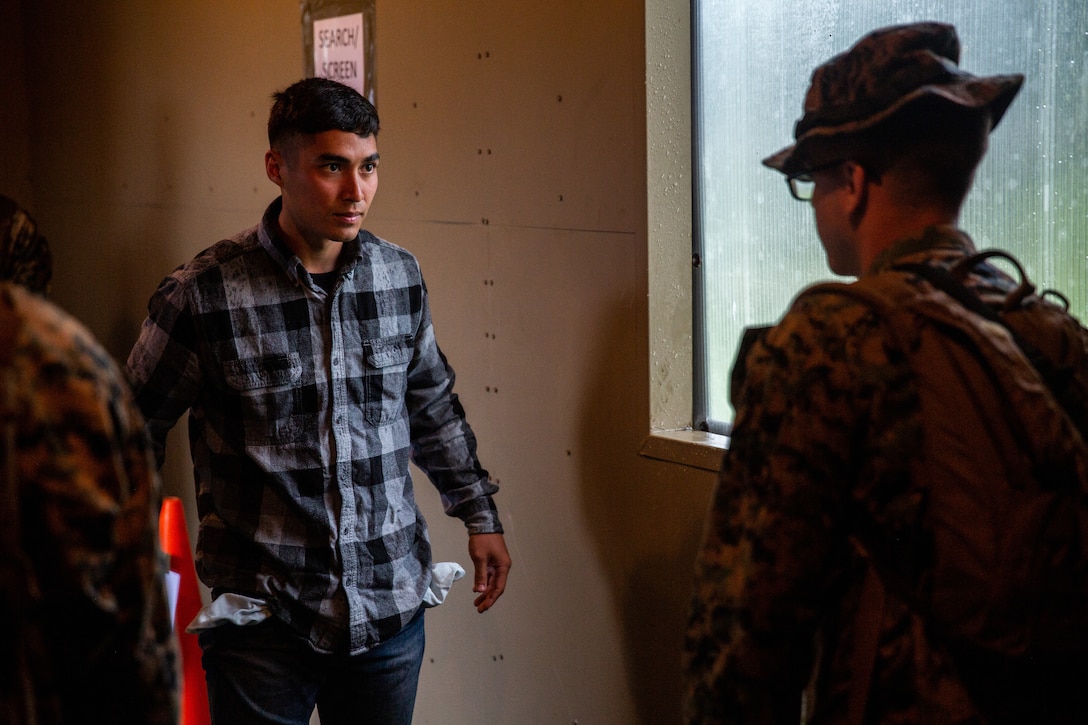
(756, 247)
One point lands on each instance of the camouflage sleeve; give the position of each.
(94, 616)
(775, 549)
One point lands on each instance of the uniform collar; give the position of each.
(935, 241)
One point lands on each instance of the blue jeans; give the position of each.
(265, 673)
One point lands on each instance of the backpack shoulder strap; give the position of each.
(873, 595)
(882, 301)
(870, 620)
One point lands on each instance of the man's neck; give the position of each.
(319, 260)
(882, 229)
(317, 256)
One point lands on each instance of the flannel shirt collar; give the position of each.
(268, 233)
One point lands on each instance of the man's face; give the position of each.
(328, 181)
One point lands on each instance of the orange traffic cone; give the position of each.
(174, 538)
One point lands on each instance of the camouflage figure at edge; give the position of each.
(81, 581)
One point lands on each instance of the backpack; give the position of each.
(1002, 577)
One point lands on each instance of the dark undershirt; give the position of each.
(325, 280)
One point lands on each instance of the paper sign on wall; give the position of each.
(339, 50)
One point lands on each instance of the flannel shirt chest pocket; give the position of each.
(270, 397)
(386, 375)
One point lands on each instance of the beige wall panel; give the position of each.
(455, 263)
(589, 630)
(536, 108)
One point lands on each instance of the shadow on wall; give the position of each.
(147, 239)
(111, 235)
(646, 516)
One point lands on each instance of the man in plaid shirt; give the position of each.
(304, 352)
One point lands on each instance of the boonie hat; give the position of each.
(886, 72)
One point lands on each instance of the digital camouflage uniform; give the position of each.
(88, 632)
(828, 421)
(827, 438)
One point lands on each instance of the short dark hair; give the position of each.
(942, 146)
(939, 146)
(313, 105)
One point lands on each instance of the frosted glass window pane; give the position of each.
(758, 246)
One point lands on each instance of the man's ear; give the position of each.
(273, 166)
(856, 180)
(855, 176)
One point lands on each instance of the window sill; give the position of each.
(687, 447)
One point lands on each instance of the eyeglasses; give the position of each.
(803, 183)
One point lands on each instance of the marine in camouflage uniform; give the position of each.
(81, 577)
(828, 419)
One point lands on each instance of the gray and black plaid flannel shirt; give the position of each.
(305, 411)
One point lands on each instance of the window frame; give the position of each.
(672, 436)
